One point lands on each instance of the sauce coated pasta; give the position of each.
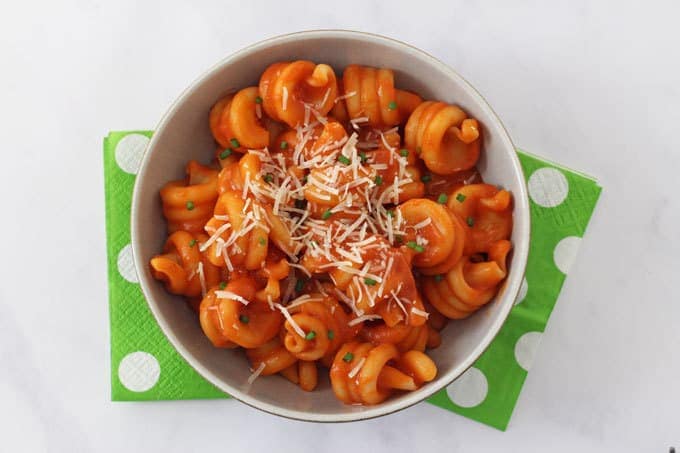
(339, 229)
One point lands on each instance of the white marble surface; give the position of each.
(593, 86)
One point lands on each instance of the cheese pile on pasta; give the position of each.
(340, 227)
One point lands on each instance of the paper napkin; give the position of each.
(145, 367)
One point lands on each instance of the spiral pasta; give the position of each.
(340, 227)
(188, 203)
(469, 285)
(289, 90)
(487, 211)
(183, 268)
(362, 373)
(236, 121)
(448, 141)
(371, 94)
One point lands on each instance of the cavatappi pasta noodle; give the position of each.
(339, 229)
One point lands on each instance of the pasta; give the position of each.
(340, 227)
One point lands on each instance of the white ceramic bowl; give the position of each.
(183, 134)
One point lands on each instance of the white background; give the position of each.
(592, 85)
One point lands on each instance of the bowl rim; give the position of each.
(520, 253)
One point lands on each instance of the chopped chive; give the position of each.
(378, 180)
(283, 145)
(304, 179)
(192, 242)
(426, 178)
(442, 198)
(438, 277)
(269, 177)
(392, 105)
(415, 246)
(314, 243)
(244, 319)
(226, 153)
(258, 100)
(460, 198)
(370, 281)
(390, 213)
(190, 205)
(262, 241)
(399, 239)
(363, 157)
(326, 214)
(223, 285)
(310, 335)
(404, 153)
(301, 204)
(470, 221)
(348, 357)
(235, 143)
(331, 334)
(344, 159)
(299, 285)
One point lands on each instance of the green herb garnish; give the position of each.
(299, 285)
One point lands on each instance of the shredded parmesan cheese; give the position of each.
(256, 373)
(290, 319)
(284, 102)
(224, 294)
(419, 312)
(363, 318)
(354, 371)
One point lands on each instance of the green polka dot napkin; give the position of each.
(145, 367)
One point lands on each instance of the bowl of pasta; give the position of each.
(330, 225)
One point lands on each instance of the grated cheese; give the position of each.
(256, 373)
(419, 312)
(422, 224)
(224, 294)
(290, 319)
(284, 103)
(216, 235)
(354, 371)
(201, 277)
(345, 96)
(363, 318)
